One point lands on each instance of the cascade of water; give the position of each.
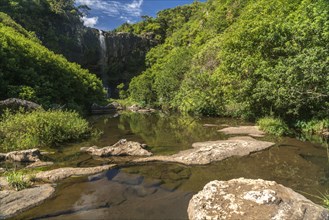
(103, 61)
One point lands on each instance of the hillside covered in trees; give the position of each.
(238, 58)
(56, 23)
(220, 57)
(30, 71)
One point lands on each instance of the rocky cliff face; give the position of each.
(124, 58)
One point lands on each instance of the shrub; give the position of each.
(41, 128)
(273, 126)
(18, 180)
(314, 126)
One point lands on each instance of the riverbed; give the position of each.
(162, 190)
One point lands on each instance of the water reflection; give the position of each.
(162, 190)
(163, 133)
(115, 195)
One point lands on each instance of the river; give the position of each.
(163, 190)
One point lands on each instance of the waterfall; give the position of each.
(103, 62)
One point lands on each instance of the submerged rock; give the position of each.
(31, 155)
(40, 164)
(13, 202)
(249, 130)
(63, 173)
(252, 199)
(210, 151)
(121, 148)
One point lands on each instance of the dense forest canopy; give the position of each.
(221, 57)
(56, 22)
(239, 58)
(30, 71)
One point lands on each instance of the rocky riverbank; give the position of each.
(259, 194)
(14, 202)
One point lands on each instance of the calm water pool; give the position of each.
(163, 190)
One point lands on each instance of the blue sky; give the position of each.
(109, 14)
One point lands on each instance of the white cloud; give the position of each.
(124, 10)
(89, 22)
(126, 19)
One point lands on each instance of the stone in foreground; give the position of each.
(249, 130)
(252, 199)
(211, 151)
(121, 148)
(13, 202)
(63, 173)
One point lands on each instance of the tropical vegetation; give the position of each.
(239, 58)
(56, 22)
(30, 71)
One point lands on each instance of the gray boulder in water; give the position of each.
(211, 151)
(13, 202)
(252, 199)
(121, 148)
(66, 172)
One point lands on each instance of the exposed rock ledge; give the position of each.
(63, 173)
(252, 199)
(13, 202)
(249, 130)
(121, 148)
(210, 151)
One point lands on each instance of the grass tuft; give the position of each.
(18, 180)
(274, 126)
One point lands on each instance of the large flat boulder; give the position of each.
(14, 202)
(248, 130)
(121, 148)
(252, 199)
(63, 173)
(210, 151)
